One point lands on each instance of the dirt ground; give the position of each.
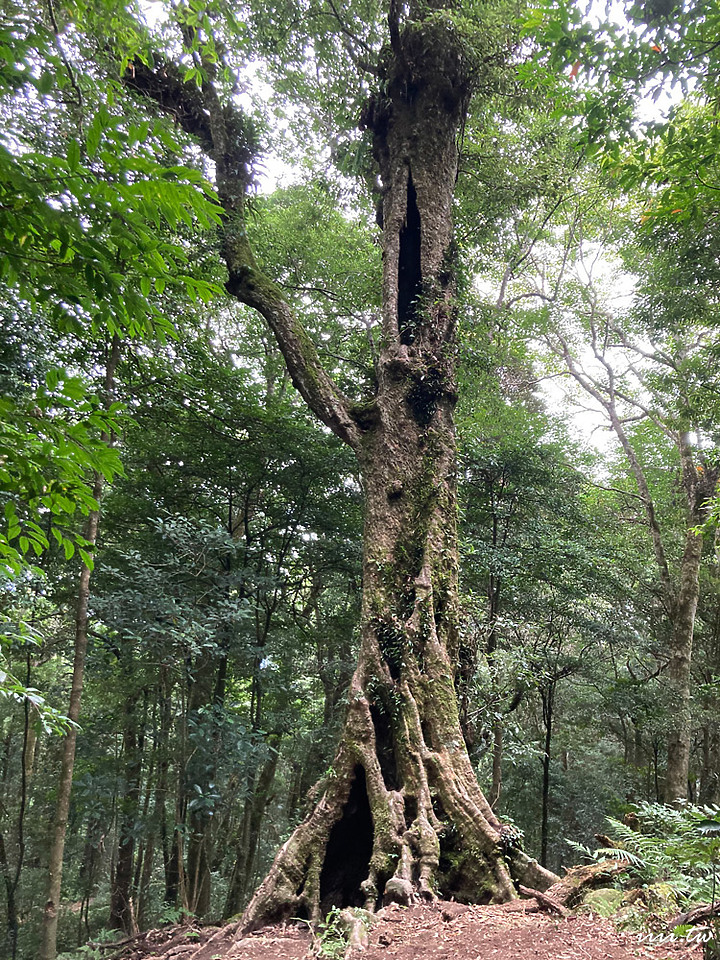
(439, 931)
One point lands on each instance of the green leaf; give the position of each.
(92, 139)
(46, 82)
(73, 155)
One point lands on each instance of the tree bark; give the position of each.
(402, 810)
(496, 788)
(678, 671)
(253, 814)
(200, 772)
(401, 813)
(122, 908)
(48, 946)
(680, 595)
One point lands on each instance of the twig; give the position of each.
(66, 63)
(544, 901)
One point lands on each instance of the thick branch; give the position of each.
(249, 285)
(223, 133)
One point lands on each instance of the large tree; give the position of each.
(401, 811)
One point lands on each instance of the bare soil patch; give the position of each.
(515, 931)
(438, 931)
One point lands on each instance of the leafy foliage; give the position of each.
(677, 845)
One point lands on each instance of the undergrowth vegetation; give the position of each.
(677, 846)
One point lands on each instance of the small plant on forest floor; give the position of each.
(332, 936)
(174, 915)
(81, 953)
(675, 848)
(103, 939)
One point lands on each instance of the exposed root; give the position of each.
(525, 870)
(364, 845)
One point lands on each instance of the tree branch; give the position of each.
(606, 398)
(225, 135)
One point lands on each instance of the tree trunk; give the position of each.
(699, 484)
(401, 812)
(206, 694)
(48, 946)
(122, 909)
(496, 788)
(548, 703)
(253, 814)
(678, 672)
(402, 809)
(710, 778)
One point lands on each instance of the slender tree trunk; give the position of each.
(143, 890)
(48, 947)
(161, 788)
(145, 859)
(497, 725)
(12, 874)
(496, 788)
(253, 814)
(548, 701)
(206, 690)
(89, 862)
(334, 656)
(12, 923)
(710, 778)
(122, 910)
(678, 672)
(710, 775)
(699, 484)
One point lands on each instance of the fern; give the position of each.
(618, 853)
(581, 849)
(676, 845)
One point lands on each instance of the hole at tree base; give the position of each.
(299, 913)
(348, 852)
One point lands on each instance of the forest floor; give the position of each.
(439, 931)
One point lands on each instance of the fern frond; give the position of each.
(619, 853)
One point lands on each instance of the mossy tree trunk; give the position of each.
(401, 813)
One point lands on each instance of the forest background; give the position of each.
(209, 612)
